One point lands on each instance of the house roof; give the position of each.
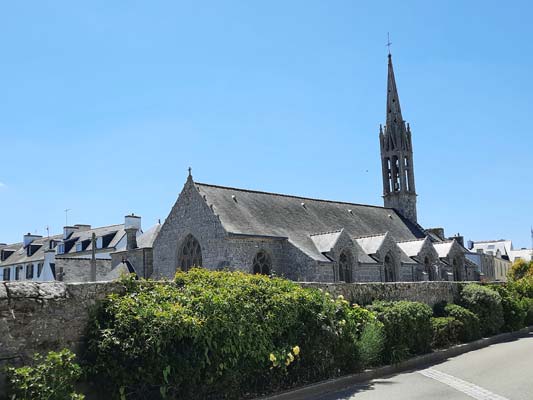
(252, 212)
(505, 246)
(371, 244)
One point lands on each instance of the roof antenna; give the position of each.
(66, 216)
(388, 42)
(47, 230)
(190, 171)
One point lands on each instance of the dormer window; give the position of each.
(79, 246)
(99, 242)
(61, 248)
(53, 244)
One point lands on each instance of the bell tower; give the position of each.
(397, 155)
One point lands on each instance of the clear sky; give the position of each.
(104, 105)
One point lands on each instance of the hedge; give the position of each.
(470, 327)
(446, 331)
(407, 326)
(222, 332)
(486, 304)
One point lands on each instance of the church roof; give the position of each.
(412, 247)
(297, 218)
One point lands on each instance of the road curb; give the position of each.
(331, 385)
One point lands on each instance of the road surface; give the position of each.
(502, 371)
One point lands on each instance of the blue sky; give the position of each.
(106, 104)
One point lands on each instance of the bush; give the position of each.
(407, 328)
(446, 331)
(523, 287)
(527, 305)
(469, 329)
(520, 269)
(371, 344)
(226, 333)
(50, 378)
(514, 314)
(486, 304)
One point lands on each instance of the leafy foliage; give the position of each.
(446, 332)
(520, 269)
(371, 344)
(52, 377)
(407, 328)
(527, 305)
(514, 313)
(486, 304)
(221, 332)
(470, 328)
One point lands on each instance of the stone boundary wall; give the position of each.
(44, 316)
(36, 317)
(430, 293)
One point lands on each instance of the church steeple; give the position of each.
(397, 155)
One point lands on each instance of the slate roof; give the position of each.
(443, 248)
(412, 247)
(147, 238)
(252, 212)
(20, 255)
(324, 242)
(371, 244)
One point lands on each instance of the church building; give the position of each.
(307, 239)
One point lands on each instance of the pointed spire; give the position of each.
(394, 112)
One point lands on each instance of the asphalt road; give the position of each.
(502, 371)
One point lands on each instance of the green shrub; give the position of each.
(371, 344)
(407, 328)
(527, 305)
(446, 331)
(469, 329)
(486, 304)
(514, 314)
(221, 332)
(523, 286)
(50, 378)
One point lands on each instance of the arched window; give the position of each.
(389, 268)
(345, 266)
(190, 254)
(456, 270)
(429, 269)
(262, 263)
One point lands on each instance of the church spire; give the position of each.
(394, 112)
(397, 154)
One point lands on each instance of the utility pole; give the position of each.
(66, 216)
(93, 258)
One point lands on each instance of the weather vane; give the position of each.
(388, 42)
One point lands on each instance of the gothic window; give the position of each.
(262, 263)
(395, 174)
(345, 266)
(429, 269)
(190, 254)
(389, 268)
(456, 270)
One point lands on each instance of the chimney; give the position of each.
(439, 232)
(132, 224)
(82, 227)
(460, 239)
(28, 238)
(68, 230)
(470, 245)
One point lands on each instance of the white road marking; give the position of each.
(467, 388)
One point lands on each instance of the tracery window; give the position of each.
(345, 266)
(429, 269)
(262, 263)
(389, 268)
(190, 254)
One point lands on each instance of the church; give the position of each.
(306, 239)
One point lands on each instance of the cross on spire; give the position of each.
(388, 42)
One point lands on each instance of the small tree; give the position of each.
(520, 269)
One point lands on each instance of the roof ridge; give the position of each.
(291, 196)
(491, 241)
(412, 240)
(325, 233)
(368, 236)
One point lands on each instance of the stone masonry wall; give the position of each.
(43, 316)
(430, 293)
